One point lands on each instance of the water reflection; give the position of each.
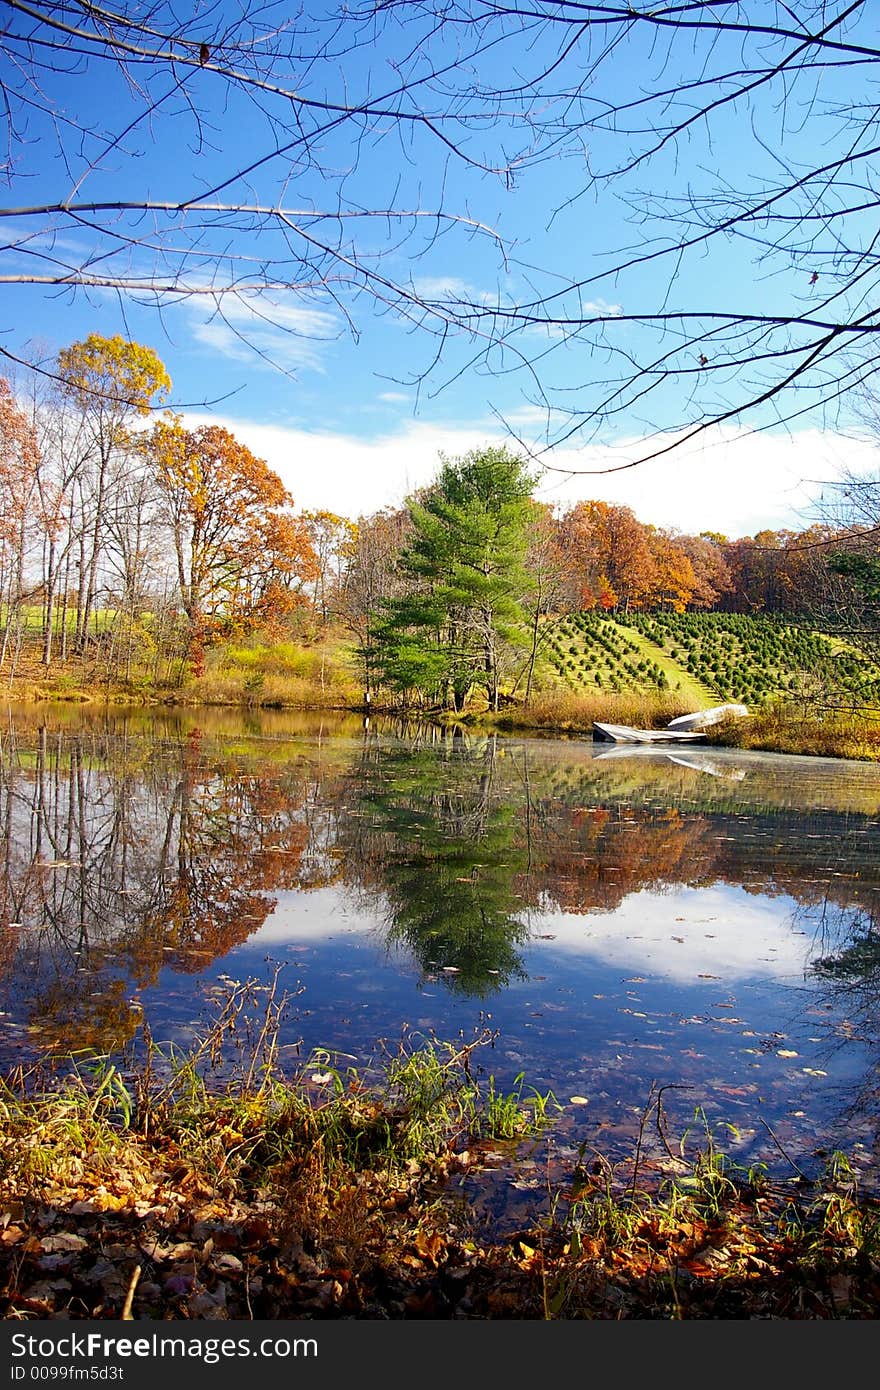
(434, 846)
(708, 917)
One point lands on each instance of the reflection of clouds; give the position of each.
(689, 932)
(314, 915)
(677, 935)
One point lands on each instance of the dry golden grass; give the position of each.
(814, 733)
(337, 691)
(572, 713)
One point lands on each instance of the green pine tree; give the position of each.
(456, 628)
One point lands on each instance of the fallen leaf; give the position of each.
(65, 1240)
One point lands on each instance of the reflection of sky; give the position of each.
(678, 935)
(686, 932)
(316, 915)
(706, 989)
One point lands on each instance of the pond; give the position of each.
(616, 920)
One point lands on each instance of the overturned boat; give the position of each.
(687, 728)
(704, 718)
(622, 733)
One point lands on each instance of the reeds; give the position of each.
(231, 1110)
(574, 713)
(808, 730)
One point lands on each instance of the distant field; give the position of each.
(31, 618)
(705, 657)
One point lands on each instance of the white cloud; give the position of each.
(733, 483)
(442, 287)
(289, 334)
(353, 477)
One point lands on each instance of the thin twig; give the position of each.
(126, 1315)
(652, 1101)
(786, 1156)
(670, 1086)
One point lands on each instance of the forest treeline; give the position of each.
(126, 536)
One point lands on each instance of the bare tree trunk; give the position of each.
(50, 580)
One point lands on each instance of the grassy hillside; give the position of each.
(705, 658)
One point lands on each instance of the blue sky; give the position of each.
(348, 401)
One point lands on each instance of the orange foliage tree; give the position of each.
(712, 579)
(674, 580)
(242, 556)
(609, 556)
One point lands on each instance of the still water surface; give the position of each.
(621, 920)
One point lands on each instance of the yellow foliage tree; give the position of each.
(113, 382)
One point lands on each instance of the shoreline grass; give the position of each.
(802, 729)
(153, 1193)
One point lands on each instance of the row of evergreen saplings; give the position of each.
(588, 650)
(737, 656)
(755, 658)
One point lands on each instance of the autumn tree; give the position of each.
(673, 580)
(711, 574)
(610, 556)
(454, 629)
(113, 383)
(332, 539)
(19, 461)
(370, 579)
(241, 554)
(585, 581)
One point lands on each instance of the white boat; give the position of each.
(704, 717)
(622, 733)
(687, 728)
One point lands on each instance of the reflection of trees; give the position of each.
(858, 962)
(435, 837)
(228, 837)
(121, 858)
(848, 971)
(849, 965)
(461, 840)
(592, 858)
(126, 850)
